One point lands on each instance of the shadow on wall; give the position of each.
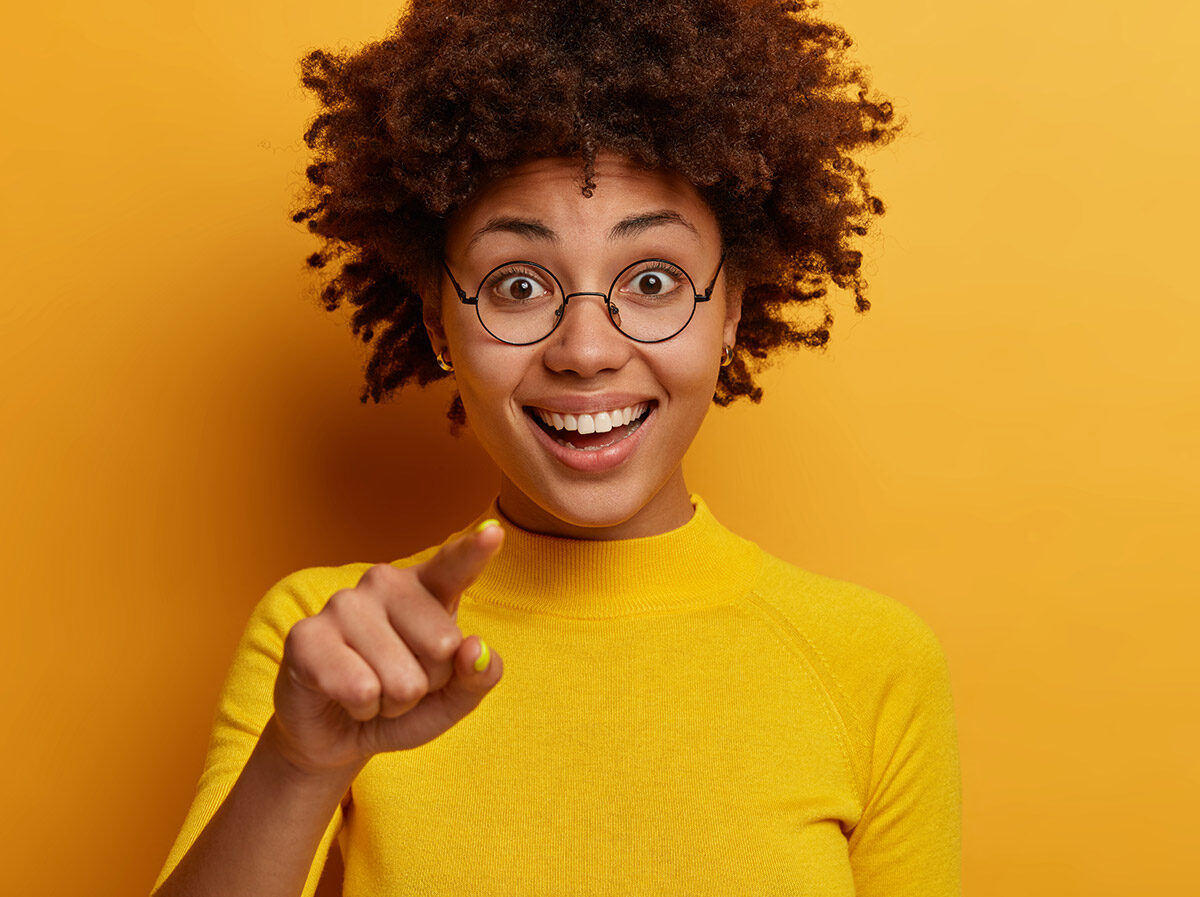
(385, 480)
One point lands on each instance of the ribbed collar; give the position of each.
(695, 564)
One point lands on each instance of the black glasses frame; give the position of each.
(560, 312)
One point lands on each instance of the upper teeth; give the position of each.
(601, 422)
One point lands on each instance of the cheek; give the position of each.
(689, 372)
(459, 322)
(476, 364)
(487, 375)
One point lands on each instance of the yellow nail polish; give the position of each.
(489, 522)
(484, 658)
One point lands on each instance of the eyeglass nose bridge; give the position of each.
(614, 314)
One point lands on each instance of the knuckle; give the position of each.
(378, 576)
(408, 689)
(300, 637)
(443, 646)
(343, 602)
(362, 691)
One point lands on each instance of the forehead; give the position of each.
(549, 192)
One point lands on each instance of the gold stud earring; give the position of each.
(727, 358)
(442, 362)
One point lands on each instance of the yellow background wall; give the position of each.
(1007, 442)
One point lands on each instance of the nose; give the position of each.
(585, 341)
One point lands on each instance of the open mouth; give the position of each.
(591, 432)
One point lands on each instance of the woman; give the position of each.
(593, 217)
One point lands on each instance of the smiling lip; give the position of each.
(594, 460)
(589, 404)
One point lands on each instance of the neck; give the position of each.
(669, 508)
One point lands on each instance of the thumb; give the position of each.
(477, 669)
(459, 562)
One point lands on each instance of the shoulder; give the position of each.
(845, 619)
(876, 658)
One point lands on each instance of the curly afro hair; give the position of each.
(754, 101)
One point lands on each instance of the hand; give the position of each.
(383, 666)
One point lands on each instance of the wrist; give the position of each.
(295, 772)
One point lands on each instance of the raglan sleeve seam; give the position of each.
(840, 713)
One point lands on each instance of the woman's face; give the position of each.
(628, 481)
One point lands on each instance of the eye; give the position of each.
(515, 285)
(651, 283)
(660, 280)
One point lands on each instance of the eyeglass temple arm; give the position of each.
(708, 292)
(466, 300)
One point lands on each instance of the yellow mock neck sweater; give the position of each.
(679, 714)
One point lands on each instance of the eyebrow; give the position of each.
(534, 229)
(637, 224)
(530, 228)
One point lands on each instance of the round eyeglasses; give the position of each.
(521, 303)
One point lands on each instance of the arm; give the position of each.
(908, 841)
(286, 809)
(317, 687)
(244, 786)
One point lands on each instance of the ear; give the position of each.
(431, 315)
(733, 312)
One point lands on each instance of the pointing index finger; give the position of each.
(457, 564)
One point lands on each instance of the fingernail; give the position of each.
(491, 521)
(484, 658)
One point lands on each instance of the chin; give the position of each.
(589, 509)
(596, 505)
